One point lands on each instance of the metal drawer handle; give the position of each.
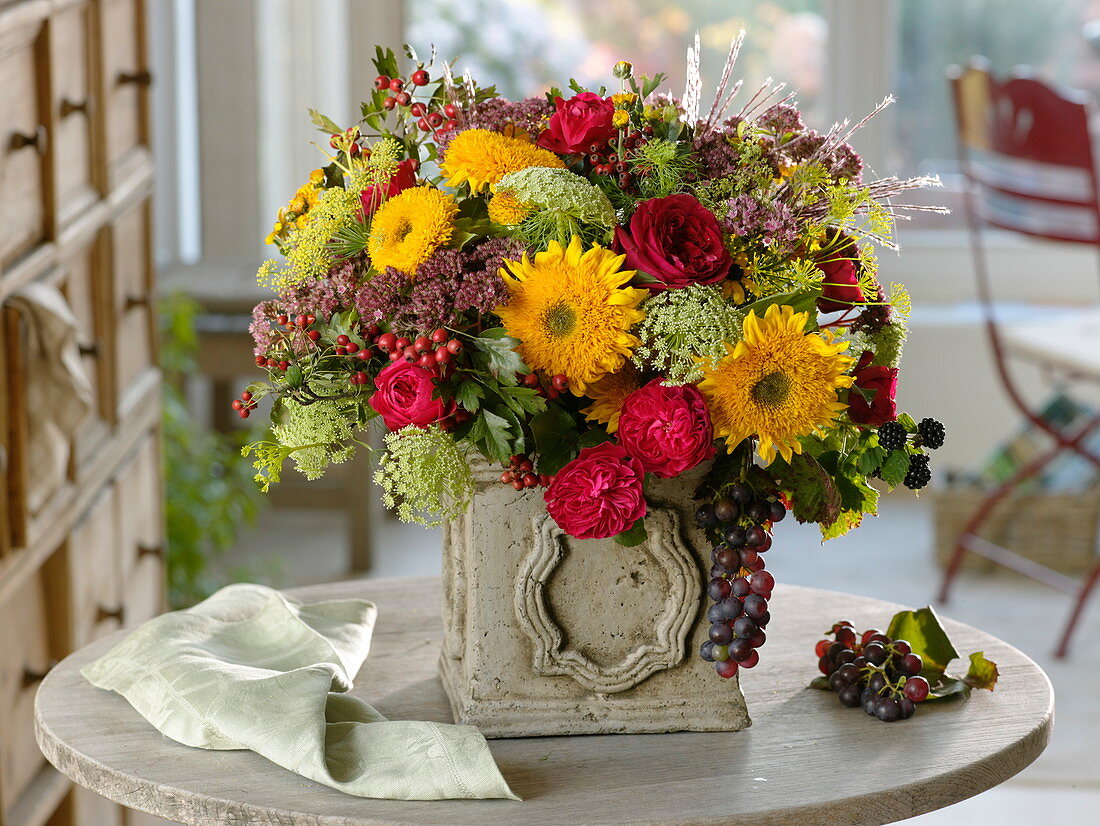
(71, 107)
(32, 677)
(150, 550)
(133, 301)
(89, 349)
(21, 140)
(142, 77)
(102, 613)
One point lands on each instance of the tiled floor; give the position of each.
(890, 558)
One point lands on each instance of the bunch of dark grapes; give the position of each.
(873, 671)
(738, 522)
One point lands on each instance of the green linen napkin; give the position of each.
(250, 668)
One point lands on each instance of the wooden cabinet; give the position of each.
(81, 555)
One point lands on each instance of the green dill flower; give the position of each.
(309, 249)
(683, 325)
(661, 167)
(314, 435)
(425, 476)
(565, 205)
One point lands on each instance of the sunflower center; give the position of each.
(559, 319)
(401, 230)
(772, 390)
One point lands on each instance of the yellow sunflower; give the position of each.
(505, 208)
(608, 395)
(409, 227)
(778, 383)
(572, 311)
(480, 158)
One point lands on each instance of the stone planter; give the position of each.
(548, 635)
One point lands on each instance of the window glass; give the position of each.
(525, 46)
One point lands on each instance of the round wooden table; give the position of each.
(804, 760)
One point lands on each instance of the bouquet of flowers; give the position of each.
(589, 289)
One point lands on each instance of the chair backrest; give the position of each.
(1026, 149)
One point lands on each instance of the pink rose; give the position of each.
(402, 179)
(676, 240)
(840, 284)
(578, 123)
(404, 395)
(667, 429)
(598, 494)
(881, 384)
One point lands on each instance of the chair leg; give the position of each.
(1078, 609)
(983, 512)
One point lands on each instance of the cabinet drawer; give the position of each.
(24, 141)
(126, 80)
(82, 282)
(132, 277)
(94, 578)
(25, 656)
(73, 105)
(141, 533)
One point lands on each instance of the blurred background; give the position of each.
(180, 128)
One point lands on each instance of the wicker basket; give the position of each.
(1058, 530)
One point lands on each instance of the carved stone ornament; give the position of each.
(555, 652)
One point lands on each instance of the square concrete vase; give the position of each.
(549, 635)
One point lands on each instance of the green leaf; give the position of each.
(324, 123)
(943, 686)
(856, 495)
(490, 433)
(293, 375)
(924, 632)
(848, 520)
(469, 394)
(907, 422)
(983, 673)
(634, 535)
(895, 467)
(503, 360)
(591, 438)
(812, 492)
(555, 438)
(802, 301)
(821, 683)
(870, 460)
(522, 399)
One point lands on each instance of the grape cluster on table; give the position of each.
(740, 587)
(873, 671)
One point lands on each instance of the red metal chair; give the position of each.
(1026, 153)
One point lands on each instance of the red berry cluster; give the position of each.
(558, 384)
(605, 160)
(521, 474)
(244, 405)
(428, 120)
(434, 352)
(354, 149)
(873, 671)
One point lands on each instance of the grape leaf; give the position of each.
(821, 683)
(841, 525)
(634, 535)
(983, 673)
(813, 494)
(895, 467)
(924, 632)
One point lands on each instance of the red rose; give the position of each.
(881, 384)
(667, 429)
(676, 240)
(578, 123)
(404, 395)
(598, 494)
(840, 285)
(402, 179)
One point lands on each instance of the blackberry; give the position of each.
(919, 473)
(892, 435)
(932, 433)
